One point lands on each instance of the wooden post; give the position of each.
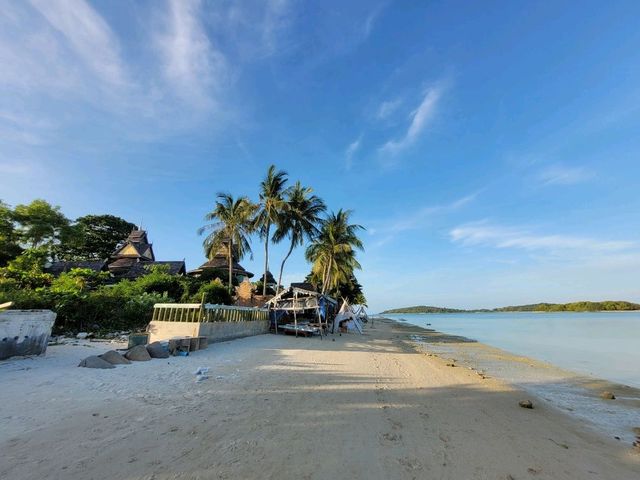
(295, 316)
(319, 319)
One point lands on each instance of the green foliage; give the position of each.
(352, 291)
(260, 288)
(299, 220)
(78, 281)
(423, 309)
(9, 246)
(105, 310)
(213, 292)
(232, 221)
(333, 252)
(158, 280)
(93, 237)
(270, 211)
(40, 224)
(26, 270)
(536, 307)
(607, 305)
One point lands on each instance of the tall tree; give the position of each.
(333, 252)
(271, 206)
(299, 220)
(232, 222)
(40, 224)
(9, 247)
(94, 237)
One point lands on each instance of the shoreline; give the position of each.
(370, 406)
(507, 311)
(574, 394)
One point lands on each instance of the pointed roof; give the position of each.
(270, 279)
(135, 246)
(220, 262)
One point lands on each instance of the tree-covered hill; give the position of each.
(607, 305)
(424, 309)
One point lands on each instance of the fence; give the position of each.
(196, 312)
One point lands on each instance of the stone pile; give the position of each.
(139, 353)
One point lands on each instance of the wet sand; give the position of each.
(364, 407)
(576, 394)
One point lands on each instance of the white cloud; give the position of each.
(389, 229)
(562, 175)
(482, 233)
(87, 34)
(351, 150)
(420, 118)
(387, 108)
(192, 65)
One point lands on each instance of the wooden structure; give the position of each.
(219, 265)
(130, 259)
(302, 299)
(197, 312)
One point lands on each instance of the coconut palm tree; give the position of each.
(232, 222)
(299, 220)
(333, 252)
(270, 208)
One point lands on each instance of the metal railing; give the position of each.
(196, 312)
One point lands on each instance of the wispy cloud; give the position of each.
(87, 34)
(563, 175)
(420, 119)
(390, 228)
(351, 151)
(193, 66)
(485, 234)
(387, 108)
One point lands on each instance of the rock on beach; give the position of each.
(95, 362)
(138, 354)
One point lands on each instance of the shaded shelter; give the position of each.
(301, 301)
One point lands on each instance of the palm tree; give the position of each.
(333, 253)
(233, 221)
(299, 220)
(270, 208)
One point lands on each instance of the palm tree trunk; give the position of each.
(326, 284)
(266, 260)
(325, 271)
(282, 265)
(230, 267)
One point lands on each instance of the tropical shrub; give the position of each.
(214, 292)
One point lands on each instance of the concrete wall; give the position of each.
(214, 331)
(165, 330)
(25, 332)
(221, 331)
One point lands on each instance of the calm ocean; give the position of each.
(603, 345)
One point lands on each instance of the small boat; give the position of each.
(304, 330)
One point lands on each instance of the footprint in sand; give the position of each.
(410, 463)
(392, 437)
(395, 424)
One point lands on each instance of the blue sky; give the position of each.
(489, 148)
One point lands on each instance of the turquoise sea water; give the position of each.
(603, 345)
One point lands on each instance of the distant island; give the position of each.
(607, 305)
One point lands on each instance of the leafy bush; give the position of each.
(77, 281)
(158, 280)
(214, 292)
(26, 270)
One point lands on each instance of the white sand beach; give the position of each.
(360, 407)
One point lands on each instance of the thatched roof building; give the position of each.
(132, 257)
(58, 268)
(129, 260)
(219, 265)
